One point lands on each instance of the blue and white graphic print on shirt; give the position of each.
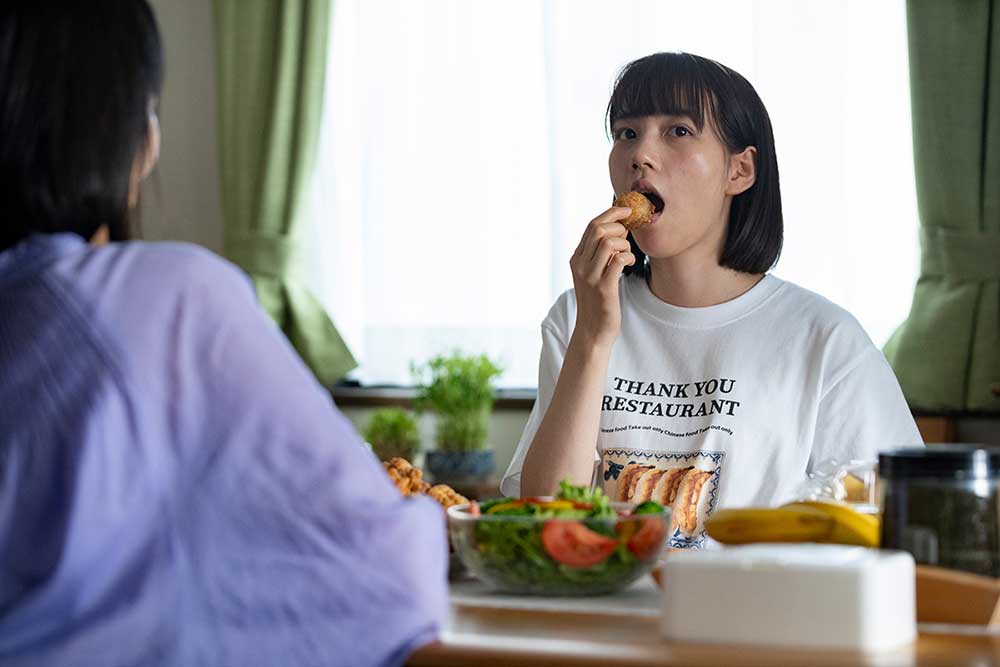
(687, 483)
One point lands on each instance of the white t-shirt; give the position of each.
(730, 405)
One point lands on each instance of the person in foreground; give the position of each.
(693, 376)
(175, 487)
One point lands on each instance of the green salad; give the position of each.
(573, 544)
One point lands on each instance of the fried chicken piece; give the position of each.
(410, 482)
(408, 479)
(446, 495)
(642, 209)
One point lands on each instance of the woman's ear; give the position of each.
(742, 171)
(152, 153)
(146, 160)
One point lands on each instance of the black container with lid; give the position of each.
(941, 504)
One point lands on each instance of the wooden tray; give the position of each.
(951, 596)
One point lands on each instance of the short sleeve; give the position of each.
(223, 510)
(549, 365)
(862, 413)
(301, 542)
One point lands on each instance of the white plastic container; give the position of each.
(791, 595)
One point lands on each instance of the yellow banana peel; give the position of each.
(771, 524)
(803, 521)
(850, 526)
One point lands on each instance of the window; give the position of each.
(464, 151)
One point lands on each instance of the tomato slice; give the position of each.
(645, 542)
(572, 543)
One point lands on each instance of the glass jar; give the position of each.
(940, 503)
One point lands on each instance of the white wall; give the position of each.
(181, 199)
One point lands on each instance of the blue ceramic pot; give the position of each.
(460, 466)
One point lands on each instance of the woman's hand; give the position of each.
(597, 264)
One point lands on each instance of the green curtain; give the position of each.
(947, 353)
(271, 67)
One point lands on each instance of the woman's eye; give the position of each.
(680, 131)
(626, 133)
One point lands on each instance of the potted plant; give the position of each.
(393, 432)
(459, 390)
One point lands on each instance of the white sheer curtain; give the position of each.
(464, 151)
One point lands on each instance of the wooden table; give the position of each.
(504, 637)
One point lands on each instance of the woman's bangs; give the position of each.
(651, 86)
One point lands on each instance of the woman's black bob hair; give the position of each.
(77, 83)
(706, 91)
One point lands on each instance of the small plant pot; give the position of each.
(460, 466)
(386, 451)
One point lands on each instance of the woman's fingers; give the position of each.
(616, 265)
(607, 250)
(608, 231)
(603, 225)
(603, 253)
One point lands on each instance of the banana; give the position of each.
(777, 524)
(850, 526)
(803, 521)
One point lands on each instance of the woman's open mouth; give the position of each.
(657, 202)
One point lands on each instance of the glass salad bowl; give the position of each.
(558, 546)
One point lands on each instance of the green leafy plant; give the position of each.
(393, 432)
(459, 389)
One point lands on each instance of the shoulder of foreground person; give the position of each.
(152, 305)
(283, 454)
(180, 267)
(133, 284)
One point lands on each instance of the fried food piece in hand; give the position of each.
(408, 480)
(642, 209)
(446, 495)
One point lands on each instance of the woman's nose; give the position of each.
(643, 157)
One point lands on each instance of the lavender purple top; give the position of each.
(177, 489)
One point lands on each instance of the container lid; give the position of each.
(944, 461)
